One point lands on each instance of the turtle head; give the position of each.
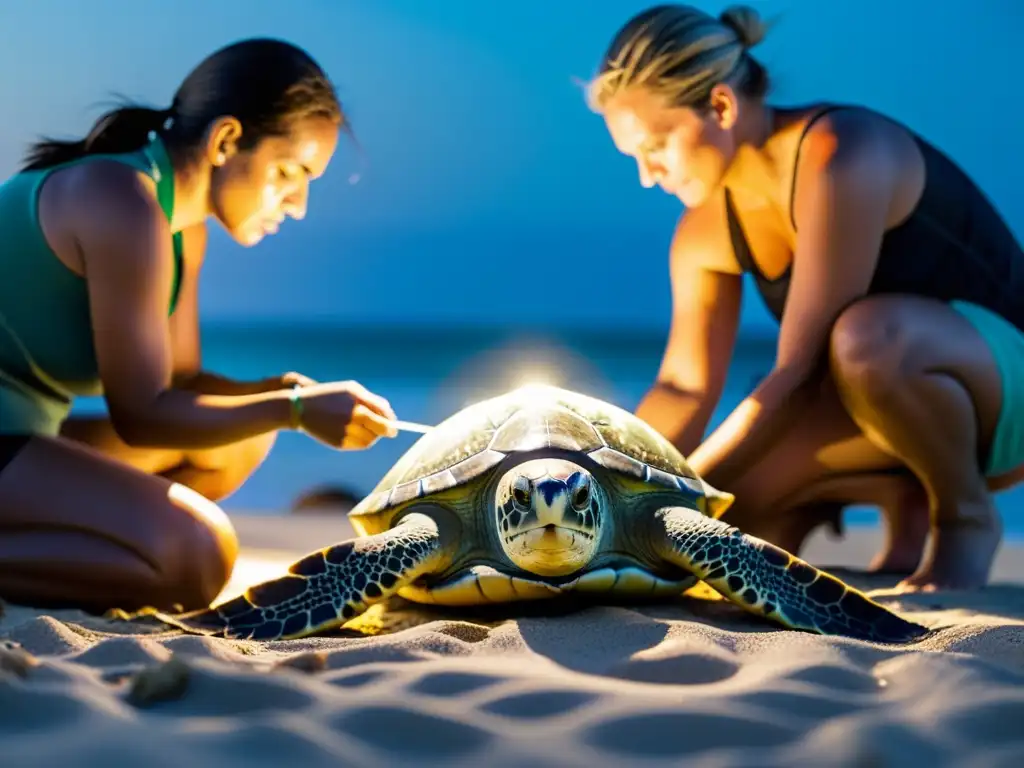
(548, 515)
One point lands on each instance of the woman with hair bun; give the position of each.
(899, 370)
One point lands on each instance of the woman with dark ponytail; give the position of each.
(122, 130)
(104, 238)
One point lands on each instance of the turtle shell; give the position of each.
(473, 440)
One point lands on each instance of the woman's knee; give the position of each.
(197, 557)
(244, 456)
(156, 542)
(871, 348)
(219, 472)
(253, 452)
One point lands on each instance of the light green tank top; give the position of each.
(47, 354)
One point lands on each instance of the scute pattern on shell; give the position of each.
(476, 438)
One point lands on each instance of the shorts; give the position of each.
(27, 410)
(24, 412)
(1006, 343)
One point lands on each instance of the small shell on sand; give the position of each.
(308, 661)
(163, 682)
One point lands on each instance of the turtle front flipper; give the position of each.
(770, 582)
(322, 590)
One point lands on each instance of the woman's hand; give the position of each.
(345, 415)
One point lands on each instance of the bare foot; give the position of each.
(906, 532)
(962, 551)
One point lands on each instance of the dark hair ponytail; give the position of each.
(266, 84)
(124, 129)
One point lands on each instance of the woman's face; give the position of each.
(252, 191)
(683, 151)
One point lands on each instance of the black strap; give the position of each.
(740, 245)
(799, 146)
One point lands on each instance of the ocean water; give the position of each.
(427, 374)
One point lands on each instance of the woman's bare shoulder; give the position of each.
(103, 201)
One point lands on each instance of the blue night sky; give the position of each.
(491, 191)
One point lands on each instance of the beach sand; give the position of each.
(694, 681)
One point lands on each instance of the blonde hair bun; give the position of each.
(746, 23)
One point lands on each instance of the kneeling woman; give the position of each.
(899, 372)
(103, 243)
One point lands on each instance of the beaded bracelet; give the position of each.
(296, 406)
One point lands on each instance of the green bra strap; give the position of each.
(163, 175)
(179, 259)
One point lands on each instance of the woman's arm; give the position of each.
(844, 188)
(125, 241)
(214, 384)
(705, 316)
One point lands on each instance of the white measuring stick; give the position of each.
(411, 426)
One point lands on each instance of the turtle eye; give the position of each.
(521, 496)
(581, 497)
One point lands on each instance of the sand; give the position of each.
(693, 681)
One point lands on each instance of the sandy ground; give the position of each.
(693, 681)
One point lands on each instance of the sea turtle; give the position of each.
(532, 494)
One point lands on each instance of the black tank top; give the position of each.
(954, 245)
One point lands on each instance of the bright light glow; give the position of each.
(537, 376)
(514, 365)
